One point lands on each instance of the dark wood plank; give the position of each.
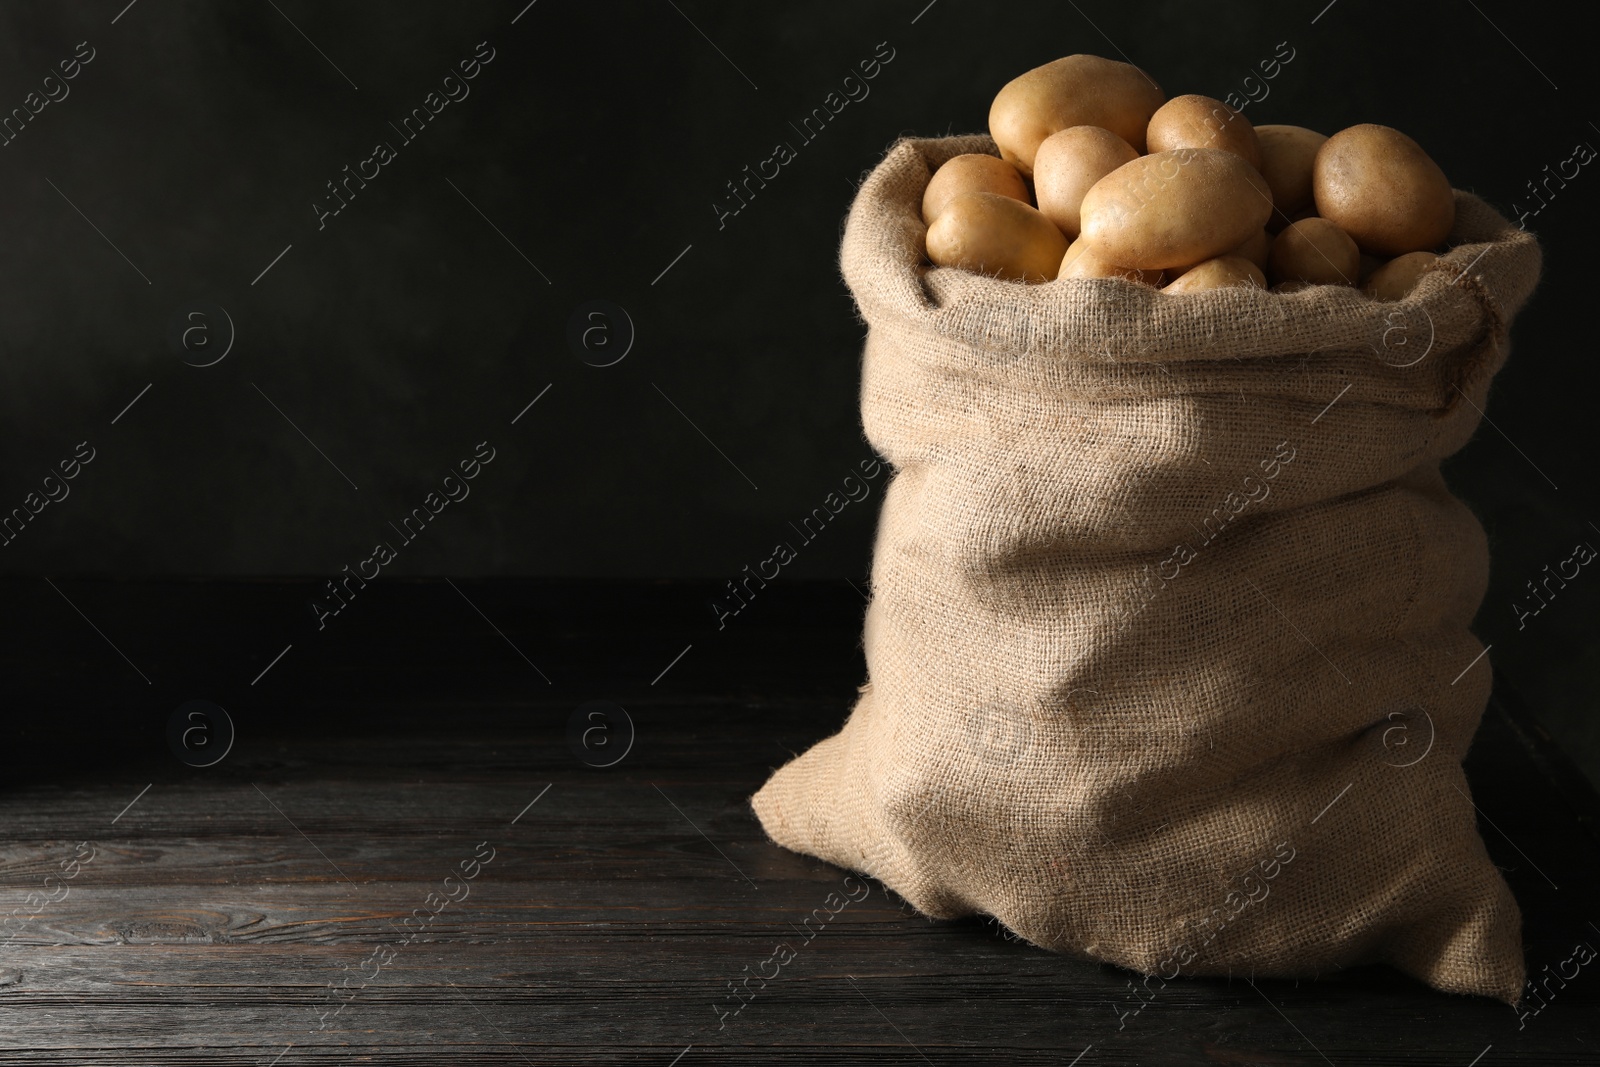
(210, 924)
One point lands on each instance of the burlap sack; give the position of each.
(1168, 646)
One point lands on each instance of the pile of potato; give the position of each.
(1101, 176)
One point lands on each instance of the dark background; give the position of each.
(596, 142)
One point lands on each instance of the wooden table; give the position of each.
(251, 912)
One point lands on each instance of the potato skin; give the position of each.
(1287, 156)
(1068, 164)
(1081, 261)
(1173, 209)
(1383, 190)
(1194, 121)
(994, 234)
(1276, 224)
(1219, 273)
(1315, 251)
(971, 173)
(1079, 90)
(1256, 248)
(1396, 278)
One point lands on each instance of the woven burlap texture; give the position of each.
(1170, 611)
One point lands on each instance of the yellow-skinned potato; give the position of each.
(971, 173)
(1219, 273)
(1081, 261)
(994, 234)
(1317, 252)
(1195, 121)
(1276, 224)
(1396, 278)
(1172, 209)
(1287, 155)
(1256, 249)
(1383, 190)
(1079, 90)
(1068, 164)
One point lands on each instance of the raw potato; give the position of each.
(1068, 164)
(994, 234)
(1195, 121)
(1276, 224)
(1219, 273)
(1079, 90)
(1256, 249)
(1171, 209)
(1317, 252)
(1081, 261)
(1396, 278)
(1383, 190)
(1287, 155)
(971, 173)
(1101, 173)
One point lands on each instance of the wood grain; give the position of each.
(220, 910)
